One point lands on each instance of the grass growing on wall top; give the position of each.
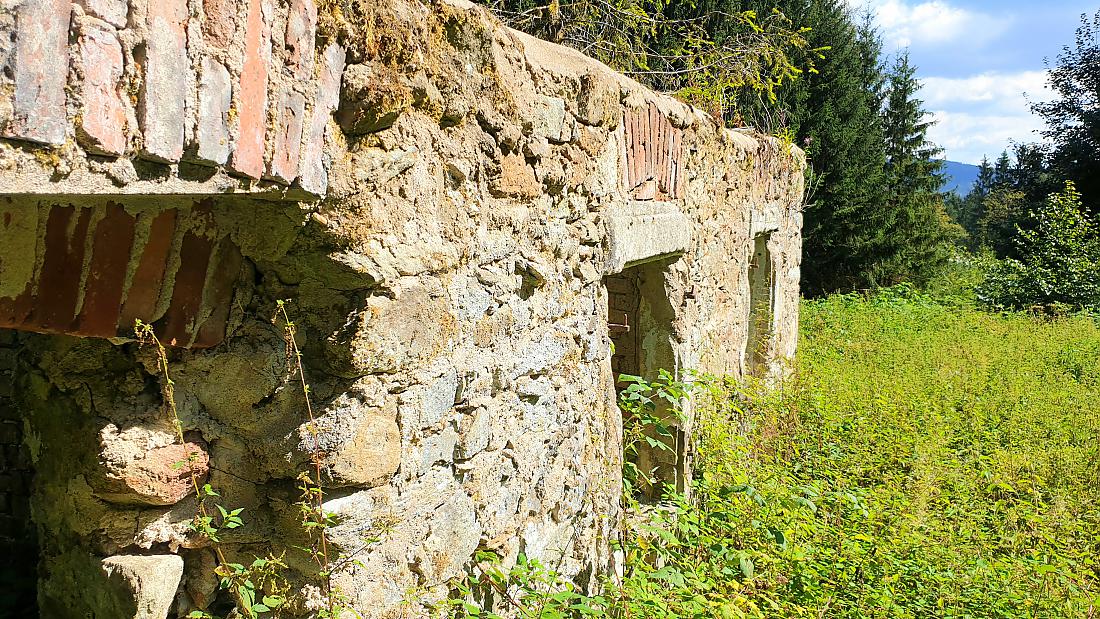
(928, 461)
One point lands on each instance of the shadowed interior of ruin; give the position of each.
(640, 325)
(18, 537)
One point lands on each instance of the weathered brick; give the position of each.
(164, 92)
(218, 294)
(103, 117)
(651, 142)
(41, 63)
(313, 169)
(220, 22)
(103, 289)
(288, 140)
(177, 327)
(111, 11)
(301, 35)
(248, 153)
(679, 169)
(215, 99)
(60, 277)
(145, 285)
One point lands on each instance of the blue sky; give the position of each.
(977, 59)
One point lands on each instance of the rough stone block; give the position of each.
(598, 101)
(313, 169)
(248, 154)
(219, 22)
(288, 140)
(215, 99)
(103, 117)
(160, 476)
(41, 65)
(373, 98)
(549, 119)
(113, 12)
(146, 584)
(515, 180)
(372, 454)
(164, 91)
(301, 35)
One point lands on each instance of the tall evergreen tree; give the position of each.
(838, 122)
(916, 240)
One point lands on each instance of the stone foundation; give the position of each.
(445, 205)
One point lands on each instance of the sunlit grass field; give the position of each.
(951, 458)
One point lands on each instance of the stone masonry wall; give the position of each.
(442, 229)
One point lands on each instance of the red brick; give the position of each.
(145, 285)
(220, 22)
(624, 169)
(62, 268)
(637, 152)
(103, 118)
(630, 140)
(177, 327)
(662, 154)
(103, 288)
(248, 155)
(288, 140)
(218, 294)
(678, 185)
(164, 92)
(651, 154)
(301, 35)
(313, 169)
(18, 243)
(41, 66)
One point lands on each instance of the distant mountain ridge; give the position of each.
(959, 177)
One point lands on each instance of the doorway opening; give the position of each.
(758, 347)
(18, 535)
(640, 325)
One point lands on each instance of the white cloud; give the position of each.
(967, 137)
(1004, 91)
(984, 114)
(933, 22)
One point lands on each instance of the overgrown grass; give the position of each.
(952, 457)
(927, 460)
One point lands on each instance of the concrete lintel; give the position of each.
(646, 231)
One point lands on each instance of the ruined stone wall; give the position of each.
(443, 239)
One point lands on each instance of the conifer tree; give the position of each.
(838, 123)
(915, 241)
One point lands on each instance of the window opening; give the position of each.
(761, 307)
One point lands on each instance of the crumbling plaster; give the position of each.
(447, 280)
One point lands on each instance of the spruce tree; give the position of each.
(838, 123)
(915, 241)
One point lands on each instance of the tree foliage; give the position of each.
(1073, 118)
(1059, 264)
(706, 57)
